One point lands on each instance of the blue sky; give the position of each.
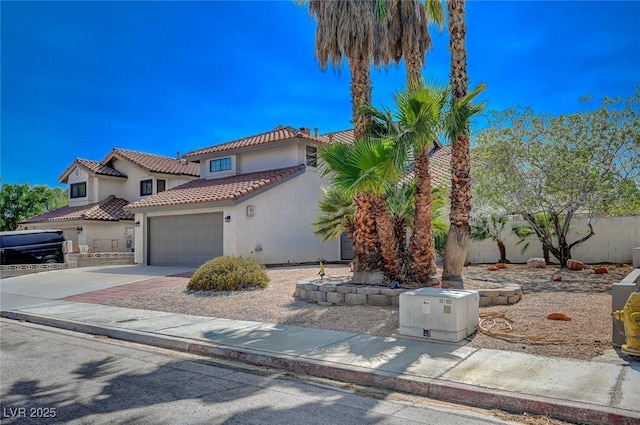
(79, 78)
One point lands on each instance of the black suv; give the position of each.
(31, 247)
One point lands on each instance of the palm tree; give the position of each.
(366, 169)
(547, 230)
(416, 124)
(349, 28)
(421, 117)
(336, 215)
(491, 227)
(456, 248)
(407, 31)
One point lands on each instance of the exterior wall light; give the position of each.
(79, 229)
(227, 219)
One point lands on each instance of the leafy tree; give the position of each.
(491, 227)
(21, 201)
(554, 167)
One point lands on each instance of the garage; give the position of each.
(184, 240)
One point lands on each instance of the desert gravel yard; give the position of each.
(582, 295)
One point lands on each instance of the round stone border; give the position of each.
(509, 294)
(339, 291)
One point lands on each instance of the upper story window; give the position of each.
(78, 190)
(146, 187)
(312, 156)
(221, 164)
(162, 185)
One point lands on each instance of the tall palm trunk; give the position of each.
(366, 244)
(414, 61)
(360, 93)
(421, 246)
(455, 252)
(391, 263)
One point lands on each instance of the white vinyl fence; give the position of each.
(613, 242)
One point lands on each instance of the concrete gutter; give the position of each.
(570, 390)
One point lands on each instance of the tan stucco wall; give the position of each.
(282, 156)
(205, 167)
(82, 176)
(281, 225)
(613, 242)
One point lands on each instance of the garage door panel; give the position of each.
(187, 240)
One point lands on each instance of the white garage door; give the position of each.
(184, 240)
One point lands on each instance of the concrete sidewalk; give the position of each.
(573, 390)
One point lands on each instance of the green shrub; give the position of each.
(229, 274)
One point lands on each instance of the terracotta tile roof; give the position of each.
(347, 136)
(155, 163)
(109, 209)
(98, 168)
(279, 134)
(440, 167)
(224, 189)
(344, 136)
(92, 167)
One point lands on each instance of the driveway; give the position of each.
(46, 287)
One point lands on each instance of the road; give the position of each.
(54, 376)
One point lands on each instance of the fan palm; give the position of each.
(336, 215)
(407, 32)
(350, 28)
(417, 123)
(491, 227)
(421, 117)
(364, 171)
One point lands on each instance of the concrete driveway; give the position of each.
(45, 288)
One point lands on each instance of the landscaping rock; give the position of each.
(600, 270)
(557, 278)
(575, 265)
(492, 268)
(559, 316)
(536, 263)
(501, 265)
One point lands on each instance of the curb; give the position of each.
(470, 395)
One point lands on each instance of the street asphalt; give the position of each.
(591, 392)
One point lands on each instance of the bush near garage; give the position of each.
(229, 274)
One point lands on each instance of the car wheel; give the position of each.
(50, 260)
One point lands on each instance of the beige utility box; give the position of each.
(440, 314)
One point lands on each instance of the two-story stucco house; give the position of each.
(99, 191)
(256, 197)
